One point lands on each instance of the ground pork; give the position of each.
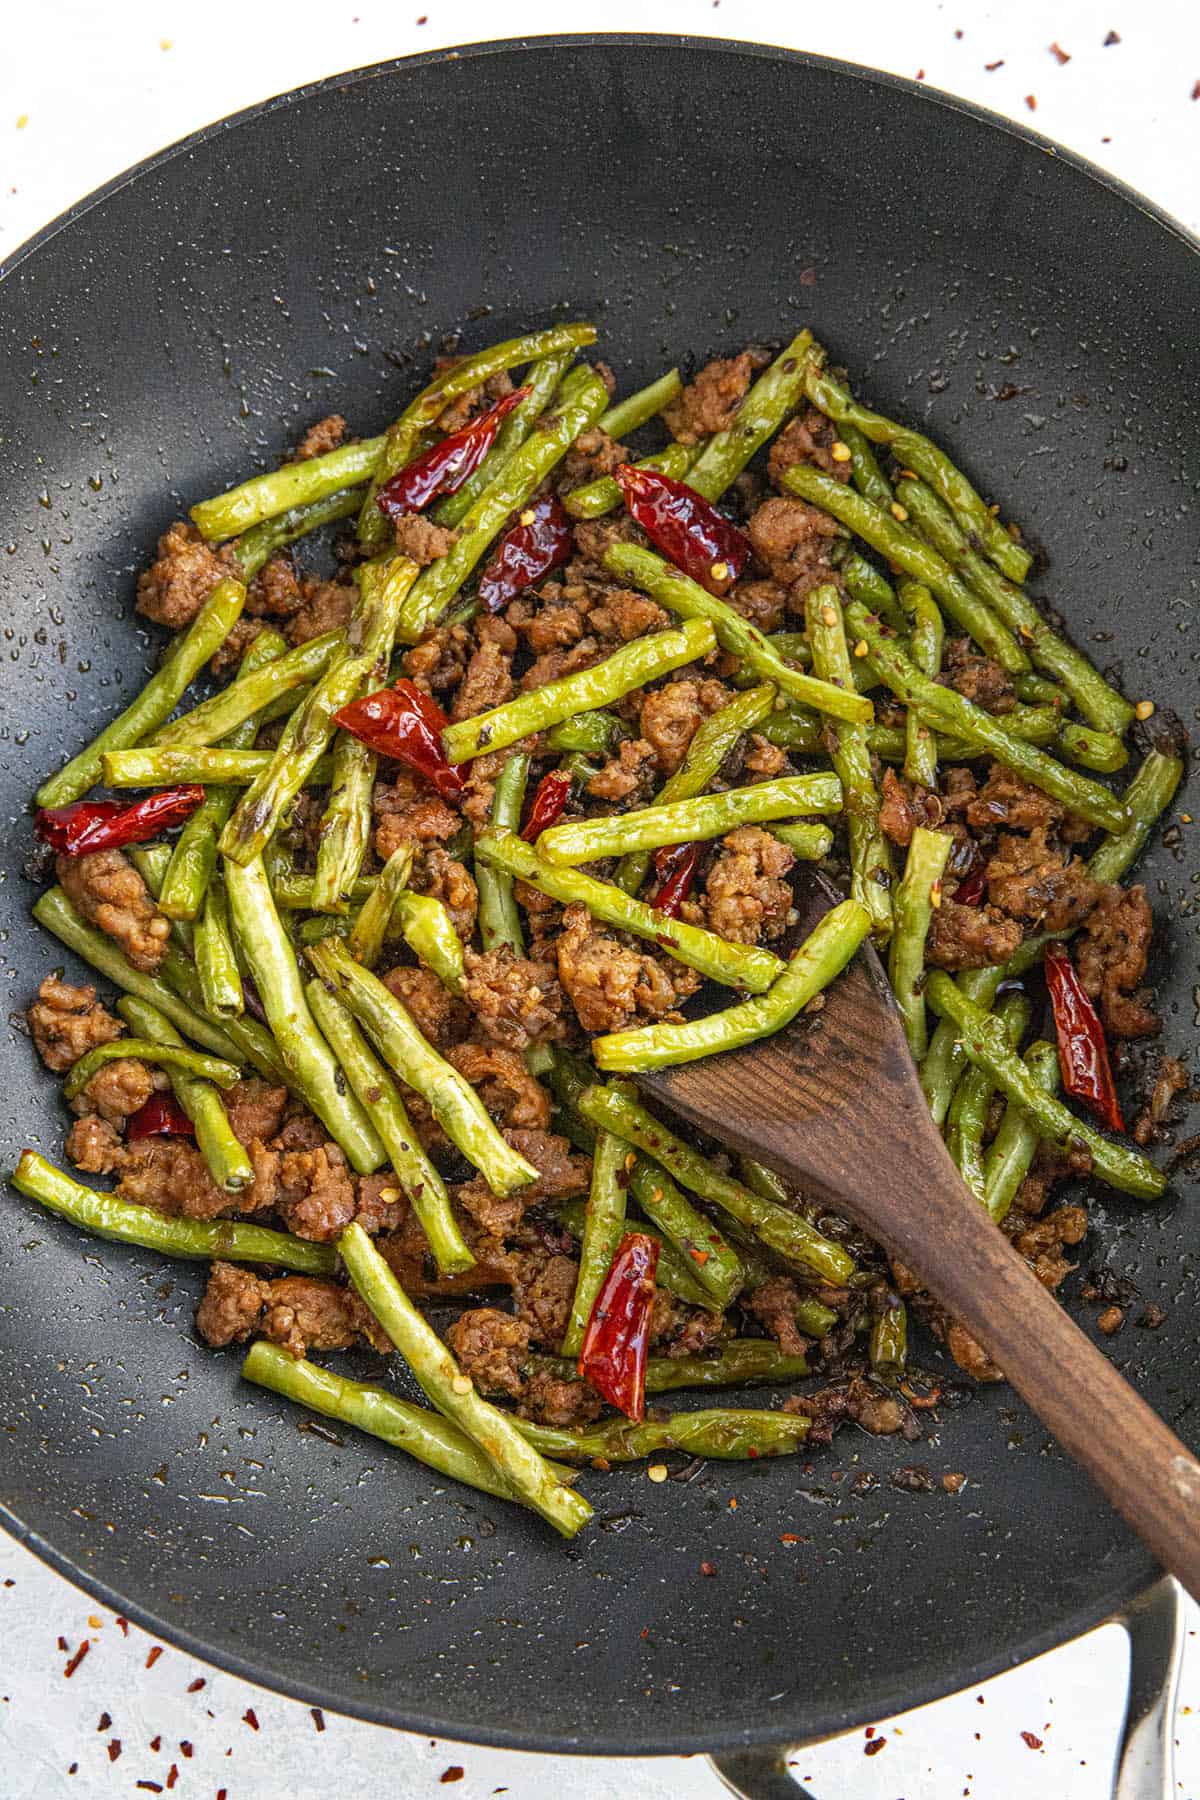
(1050, 1166)
(300, 1312)
(546, 621)
(406, 1250)
(440, 661)
(746, 896)
(1111, 960)
(514, 1000)
(275, 591)
(169, 1174)
(543, 1290)
(437, 874)
(622, 615)
(420, 539)
(488, 681)
(608, 983)
(808, 438)
(327, 607)
(316, 1196)
(592, 455)
(456, 413)
(593, 537)
(977, 678)
(967, 1352)
(511, 1094)
(108, 892)
(66, 1022)
(560, 1170)
(764, 603)
(408, 813)
(858, 1400)
(255, 1110)
(437, 1014)
(677, 1329)
(763, 758)
(709, 403)
(174, 588)
(235, 644)
(774, 1305)
(491, 1347)
(1008, 803)
(479, 784)
(792, 540)
(627, 775)
(1041, 1242)
(1030, 881)
(554, 664)
(1172, 1079)
(970, 937)
(551, 1400)
(670, 718)
(116, 1091)
(95, 1146)
(320, 438)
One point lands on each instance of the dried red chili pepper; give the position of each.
(444, 468)
(617, 1339)
(405, 723)
(969, 891)
(1082, 1047)
(539, 541)
(675, 867)
(553, 792)
(689, 532)
(91, 825)
(162, 1116)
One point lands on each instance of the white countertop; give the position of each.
(84, 92)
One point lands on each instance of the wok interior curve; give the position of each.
(311, 257)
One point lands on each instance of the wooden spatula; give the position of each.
(834, 1104)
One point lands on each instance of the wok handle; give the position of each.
(1145, 1755)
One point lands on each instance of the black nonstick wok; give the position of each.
(177, 331)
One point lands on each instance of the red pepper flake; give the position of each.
(920, 74)
(222, 1794)
(1196, 90)
(90, 825)
(406, 724)
(549, 803)
(697, 1255)
(105, 1721)
(789, 1537)
(250, 1718)
(172, 1775)
(153, 1654)
(993, 66)
(454, 1773)
(78, 1657)
(185, 1747)
(444, 468)
(1035, 1743)
(74, 1769)
(63, 1645)
(707, 1568)
(869, 1731)
(1060, 55)
(616, 1342)
(156, 1743)
(541, 540)
(318, 1717)
(195, 1686)
(123, 1623)
(874, 1747)
(151, 1787)
(970, 889)
(114, 1749)
(1031, 102)
(689, 532)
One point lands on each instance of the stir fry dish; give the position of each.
(527, 718)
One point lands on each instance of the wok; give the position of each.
(179, 329)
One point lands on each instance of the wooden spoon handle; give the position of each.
(1146, 1472)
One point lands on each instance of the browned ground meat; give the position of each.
(858, 1399)
(275, 591)
(610, 984)
(746, 896)
(116, 1091)
(479, 784)
(1030, 881)
(592, 455)
(320, 438)
(515, 1001)
(594, 536)
(553, 1401)
(300, 1131)
(95, 1146)
(437, 1014)
(255, 1110)
(316, 1197)
(1049, 1166)
(792, 540)
(1008, 803)
(970, 937)
(174, 588)
(1172, 1079)
(301, 1312)
(327, 607)
(169, 1175)
(764, 603)
(438, 875)
(970, 1355)
(491, 1348)
(774, 1305)
(230, 653)
(543, 1289)
(66, 1022)
(546, 621)
(977, 678)
(764, 758)
(406, 1250)
(629, 775)
(1111, 960)
(709, 402)
(440, 662)
(456, 413)
(422, 540)
(670, 717)
(561, 1171)
(554, 664)
(409, 813)
(808, 438)
(905, 806)
(488, 680)
(511, 1094)
(623, 615)
(1040, 1241)
(109, 893)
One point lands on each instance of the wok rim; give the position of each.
(829, 1721)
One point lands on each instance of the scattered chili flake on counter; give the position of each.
(1060, 55)
(153, 1655)
(874, 1747)
(250, 1718)
(454, 1773)
(114, 1749)
(105, 1721)
(78, 1657)
(707, 1568)
(318, 1717)
(123, 1622)
(1031, 102)
(1035, 1743)
(195, 1686)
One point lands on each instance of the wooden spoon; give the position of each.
(834, 1104)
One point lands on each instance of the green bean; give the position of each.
(1012, 1150)
(681, 595)
(596, 498)
(249, 1041)
(775, 394)
(788, 1234)
(450, 384)
(216, 960)
(742, 1362)
(871, 873)
(862, 581)
(157, 700)
(345, 829)
(53, 910)
(687, 821)
(382, 588)
(1146, 798)
(889, 1342)
(920, 888)
(734, 965)
(167, 1056)
(794, 646)
(293, 892)
(542, 380)
(602, 1231)
(418, 1179)
(637, 409)
(1092, 749)
(966, 1121)
(985, 1045)
(257, 545)
(703, 1249)
(594, 733)
(429, 933)
(1097, 700)
(818, 961)
(259, 682)
(714, 740)
(283, 490)
(925, 648)
(1038, 691)
(579, 402)
(174, 764)
(108, 1216)
(724, 1433)
(454, 1395)
(672, 1273)
(194, 857)
(151, 862)
(456, 1106)
(865, 471)
(373, 922)
(809, 842)
(912, 450)
(499, 918)
(311, 1067)
(939, 705)
(224, 1157)
(902, 547)
(625, 671)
